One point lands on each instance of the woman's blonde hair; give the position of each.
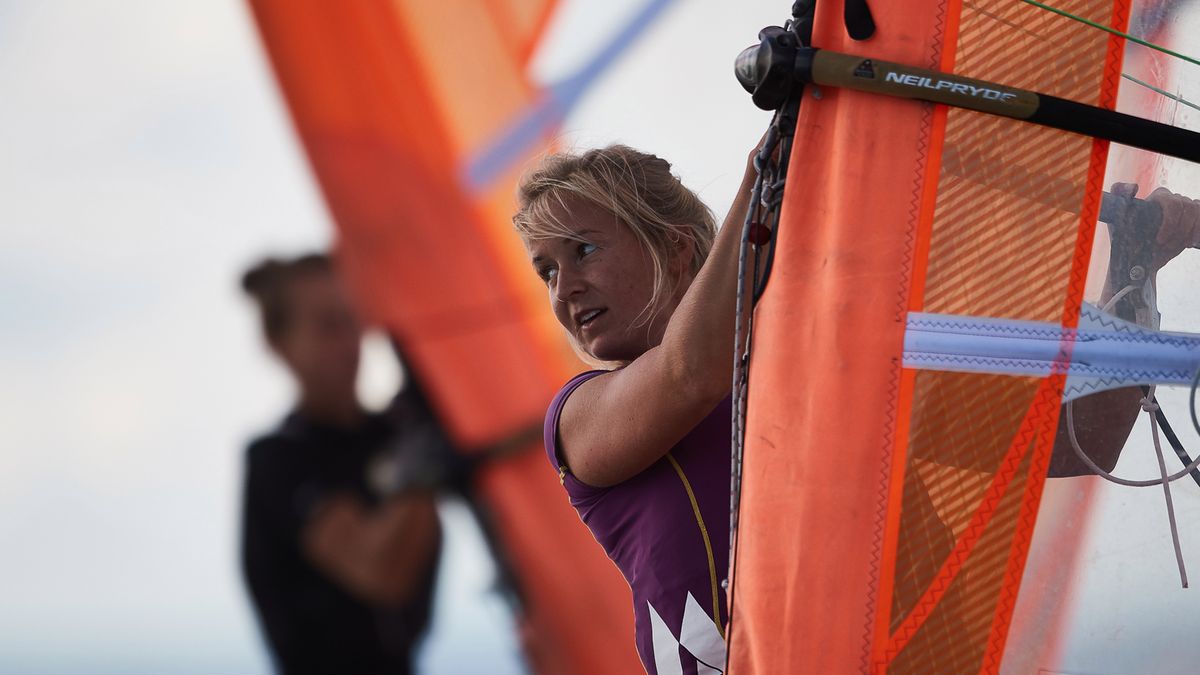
(637, 188)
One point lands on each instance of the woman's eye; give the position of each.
(586, 249)
(547, 273)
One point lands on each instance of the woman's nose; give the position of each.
(567, 284)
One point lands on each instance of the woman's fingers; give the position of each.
(1180, 227)
(1126, 190)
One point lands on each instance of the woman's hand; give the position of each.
(751, 172)
(1180, 227)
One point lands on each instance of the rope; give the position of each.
(1152, 409)
(1109, 29)
(1127, 76)
(1112, 302)
(765, 202)
(1157, 90)
(1173, 441)
(741, 348)
(1192, 402)
(1151, 406)
(1083, 457)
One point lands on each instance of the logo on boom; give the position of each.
(918, 81)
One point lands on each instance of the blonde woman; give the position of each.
(642, 281)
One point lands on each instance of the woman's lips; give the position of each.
(588, 318)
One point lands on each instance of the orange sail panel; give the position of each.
(388, 99)
(886, 513)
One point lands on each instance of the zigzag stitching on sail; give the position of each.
(965, 544)
(877, 599)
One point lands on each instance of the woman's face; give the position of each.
(600, 287)
(322, 338)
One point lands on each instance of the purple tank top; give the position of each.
(667, 530)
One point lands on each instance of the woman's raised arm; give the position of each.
(618, 424)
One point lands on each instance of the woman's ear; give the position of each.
(681, 253)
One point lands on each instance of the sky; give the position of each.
(145, 160)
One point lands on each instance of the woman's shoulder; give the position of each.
(554, 412)
(560, 399)
(573, 383)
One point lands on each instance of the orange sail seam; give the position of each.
(920, 262)
(966, 542)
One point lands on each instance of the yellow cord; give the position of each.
(712, 563)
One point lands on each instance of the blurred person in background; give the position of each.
(340, 534)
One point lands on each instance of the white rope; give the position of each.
(1112, 302)
(1083, 457)
(1148, 401)
(1150, 406)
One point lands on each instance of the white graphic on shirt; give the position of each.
(666, 647)
(698, 635)
(701, 638)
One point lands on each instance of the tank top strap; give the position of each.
(550, 429)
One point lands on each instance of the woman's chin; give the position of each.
(609, 351)
(598, 349)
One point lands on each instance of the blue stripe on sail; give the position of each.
(1103, 353)
(532, 125)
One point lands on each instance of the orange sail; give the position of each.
(388, 99)
(886, 512)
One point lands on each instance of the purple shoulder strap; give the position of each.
(550, 429)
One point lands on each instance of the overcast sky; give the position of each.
(145, 160)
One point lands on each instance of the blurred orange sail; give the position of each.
(886, 512)
(388, 99)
